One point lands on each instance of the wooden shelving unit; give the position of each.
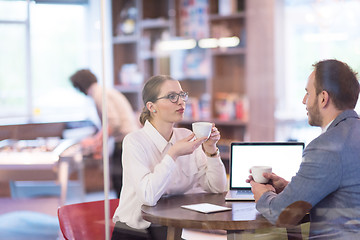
(228, 73)
(135, 50)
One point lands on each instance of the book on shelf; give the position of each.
(198, 108)
(230, 106)
(190, 64)
(192, 109)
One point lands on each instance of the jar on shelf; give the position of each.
(127, 20)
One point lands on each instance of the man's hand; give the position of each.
(277, 182)
(259, 189)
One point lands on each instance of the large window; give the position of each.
(13, 16)
(58, 47)
(313, 30)
(41, 45)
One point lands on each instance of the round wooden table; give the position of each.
(168, 212)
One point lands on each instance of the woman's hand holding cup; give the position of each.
(207, 129)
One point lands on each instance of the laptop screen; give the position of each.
(284, 158)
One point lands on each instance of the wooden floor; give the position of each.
(34, 218)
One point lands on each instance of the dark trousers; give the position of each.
(157, 232)
(116, 168)
(154, 232)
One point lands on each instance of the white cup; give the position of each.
(257, 173)
(202, 129)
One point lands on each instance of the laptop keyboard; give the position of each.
(243, 191)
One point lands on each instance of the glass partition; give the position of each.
(41, 45)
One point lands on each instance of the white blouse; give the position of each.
(149, 173)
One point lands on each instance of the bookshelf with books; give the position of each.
(221, 81)
(220, 95)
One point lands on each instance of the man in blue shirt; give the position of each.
(328, 181)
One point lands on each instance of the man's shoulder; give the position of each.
(337, 138)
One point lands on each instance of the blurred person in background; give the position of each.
(121, 121)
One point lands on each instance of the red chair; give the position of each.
(85, 220)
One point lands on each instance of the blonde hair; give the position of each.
(150, 93)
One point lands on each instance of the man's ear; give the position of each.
(324, 99)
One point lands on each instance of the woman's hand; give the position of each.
(93, 146)
(209, 145)
(185, 146)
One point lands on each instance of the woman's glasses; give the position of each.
(174, 97)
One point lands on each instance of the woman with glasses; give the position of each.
(160, 159)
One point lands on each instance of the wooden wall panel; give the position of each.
(260, 70)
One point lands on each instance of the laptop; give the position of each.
(284, 158)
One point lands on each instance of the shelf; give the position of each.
(125, 39)
(217, 17)
(128, 88)
(154, 23)
(216, 121)
(230, 122)
(228, 51)
(193, 78)
(147, 55)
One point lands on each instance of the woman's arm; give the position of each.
(149, 173)
(212, 170)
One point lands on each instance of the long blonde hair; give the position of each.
(150, 93)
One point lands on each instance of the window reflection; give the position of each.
(12, 70)
(35, 67)
(13, 10)
(312, 31)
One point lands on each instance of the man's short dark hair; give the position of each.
(339, 80)
(82, 80)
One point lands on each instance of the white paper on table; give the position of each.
(206, 207)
